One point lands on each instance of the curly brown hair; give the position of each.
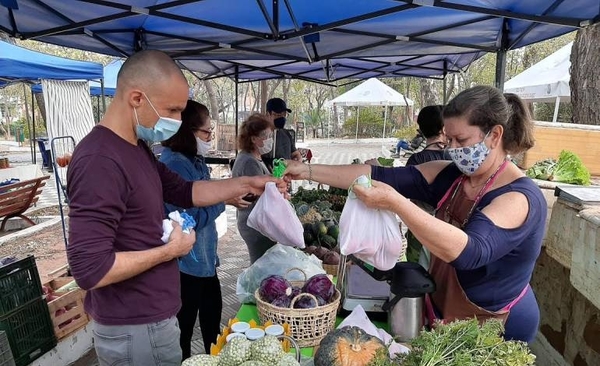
(253, 126)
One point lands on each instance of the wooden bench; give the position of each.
(16, 198)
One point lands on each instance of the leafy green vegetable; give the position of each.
(463, 343)
(385, 162)
(542, 169)
(570, 169)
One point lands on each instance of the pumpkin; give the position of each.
(347, 346)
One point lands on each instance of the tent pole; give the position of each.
(103, 97)
(556, 107)
(237, 97)
(357, 114)
(501, 57)
(445, 82)
(33, 126)
(31, 137)
(384, 120)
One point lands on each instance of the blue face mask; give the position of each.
(163, 130)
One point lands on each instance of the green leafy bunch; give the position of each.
(463, 343)
(570, 169)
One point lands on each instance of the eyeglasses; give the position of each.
(210, 132)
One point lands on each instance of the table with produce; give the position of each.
(291, 302)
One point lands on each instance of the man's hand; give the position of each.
(297, 156)
(257, 184)
(180, 243)
(238, 202)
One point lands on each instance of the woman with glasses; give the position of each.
(255, 139)
(200, 287)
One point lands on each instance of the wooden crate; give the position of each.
(74, 317)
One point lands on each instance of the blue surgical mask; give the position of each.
(163, 130)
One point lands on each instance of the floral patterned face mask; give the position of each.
(468, 159)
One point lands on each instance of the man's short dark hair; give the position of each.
(430, 120)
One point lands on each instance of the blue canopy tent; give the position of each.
(374, 38)
(110, 72)
(110, 80)
(317, 40)
(18, 64)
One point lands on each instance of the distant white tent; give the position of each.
(371, 93)
(545, 82)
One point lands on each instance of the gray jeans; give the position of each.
(155, 344)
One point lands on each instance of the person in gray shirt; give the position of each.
(255, 139)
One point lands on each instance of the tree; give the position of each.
(585, 76)
(370, 123)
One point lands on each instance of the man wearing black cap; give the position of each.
(284, 145)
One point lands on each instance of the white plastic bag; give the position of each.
(359, 318)
(371, 235)
(276, 261)
(274, 217)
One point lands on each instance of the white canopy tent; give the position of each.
(371, 93)
(545, 82)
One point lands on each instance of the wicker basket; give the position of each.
(331, 269)
(308, 326)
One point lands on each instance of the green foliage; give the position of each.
(463, 343)
(545, 112)
(407, 132)
(370, 123)
(542, 169)
(385, 161)
(570, 169)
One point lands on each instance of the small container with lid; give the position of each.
(254, 333)
(274, 330)
(240, 327)
(233, 335)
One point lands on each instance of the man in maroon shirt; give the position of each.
(116, 192)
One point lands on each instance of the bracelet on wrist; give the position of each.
(310, 174)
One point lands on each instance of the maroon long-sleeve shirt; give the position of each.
(116, 192)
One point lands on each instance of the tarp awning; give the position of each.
(546, 80)
(20, 64)
(371, 93)
(110, 81)
(312, 35)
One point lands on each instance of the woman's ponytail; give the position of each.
(518, 135)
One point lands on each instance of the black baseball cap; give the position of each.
(277, 105)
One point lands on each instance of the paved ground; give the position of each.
(232, 250)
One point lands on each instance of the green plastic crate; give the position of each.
(19, 284)
(29, 330)
(6, 357)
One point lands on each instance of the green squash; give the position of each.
(347, 346)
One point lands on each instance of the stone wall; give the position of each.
(570, 321)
